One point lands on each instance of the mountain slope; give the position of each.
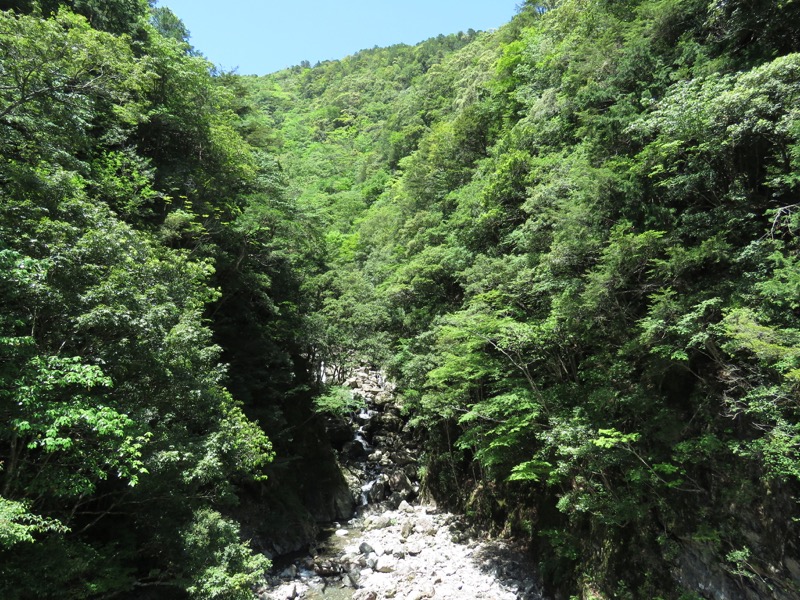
(573, 242)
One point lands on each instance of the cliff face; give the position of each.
(306, 489)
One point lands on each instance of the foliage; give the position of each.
(573, 242)
(18, 524)
(232, 571)
(132, 210)
(338, 401)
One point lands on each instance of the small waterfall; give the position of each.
(379, 461)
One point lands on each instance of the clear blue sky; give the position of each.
(263, 36)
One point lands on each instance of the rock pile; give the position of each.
(410, 553)
(379, 460)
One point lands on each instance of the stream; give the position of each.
(396, 546)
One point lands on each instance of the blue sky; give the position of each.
(263, 36)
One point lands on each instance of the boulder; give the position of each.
(379, 522)
(365, 548)
(393, 501)
(354, 450)
(289, 572)
(419, 594)
(371, 547)
(327, 568)
(377, 491)
(385, 564)
(400, 483)
(407, 529)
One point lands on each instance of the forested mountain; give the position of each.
(572, 242)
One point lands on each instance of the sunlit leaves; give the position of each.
(18, 524)
(219, 565)
(339, 401)
(60, 78)
(609, 438)
(532, 470)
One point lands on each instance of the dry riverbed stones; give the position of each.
(409, 554)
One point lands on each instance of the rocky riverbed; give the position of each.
(396, 546)
(410, 553)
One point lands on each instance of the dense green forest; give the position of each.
(143, 231)
(572, 242)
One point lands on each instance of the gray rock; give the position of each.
(289, 572)
(394, 500)
(373, 547)
(390, 422)
(379, 522)
(426, 526)
(419, 594)
(400, 483)
(385, 564)
(794, 568)
(407, 529)
(365, 548)
(327, 568)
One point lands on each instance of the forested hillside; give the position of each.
(151, 272)
(571, 242)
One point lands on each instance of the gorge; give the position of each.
(396, 544)
(523, 300)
